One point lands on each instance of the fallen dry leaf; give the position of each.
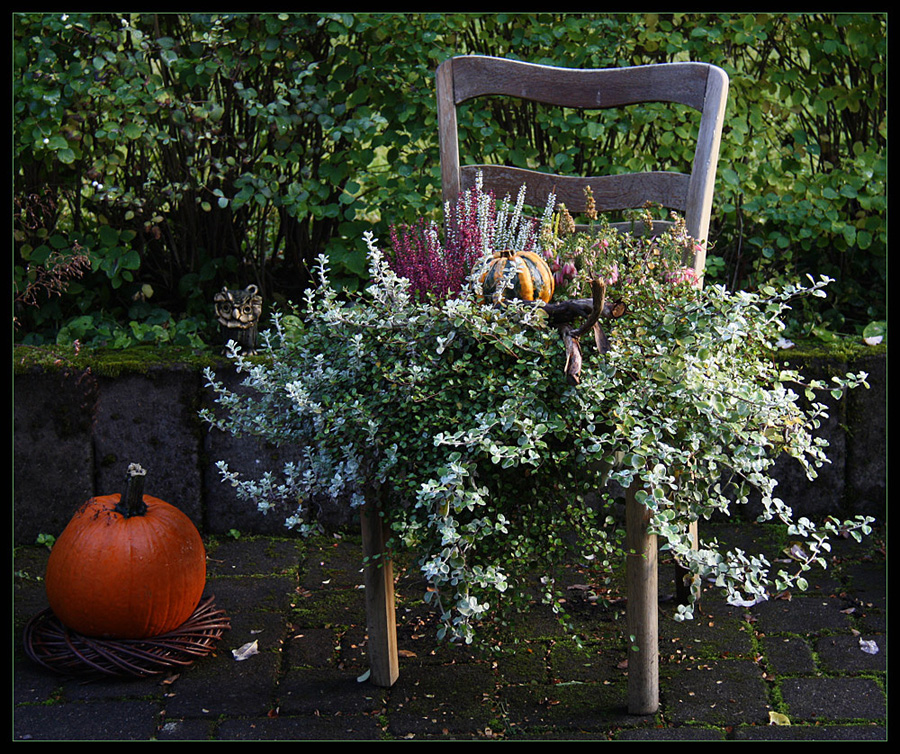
(248, 650)
(868, 646)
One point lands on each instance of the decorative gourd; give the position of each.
(533, 280)
(127, 566)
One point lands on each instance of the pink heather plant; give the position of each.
(419, 257)
(471, 227)
(436, 268)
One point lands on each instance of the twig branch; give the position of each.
(561, 312)
(598, 291)
(573, 354)
(564, 312)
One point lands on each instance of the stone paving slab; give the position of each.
(302, 603)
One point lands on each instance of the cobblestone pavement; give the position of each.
(722, 676)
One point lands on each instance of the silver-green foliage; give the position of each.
(456, 419)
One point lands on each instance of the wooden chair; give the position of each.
(700, 86)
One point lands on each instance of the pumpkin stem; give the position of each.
(132, 502)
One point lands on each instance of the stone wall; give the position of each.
(75, 434)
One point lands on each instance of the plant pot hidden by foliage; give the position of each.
(126, 566)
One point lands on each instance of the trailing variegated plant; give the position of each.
(456, 416)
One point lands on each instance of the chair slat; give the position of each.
(611, 193)
(478, 75)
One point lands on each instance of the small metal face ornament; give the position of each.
(238, 313)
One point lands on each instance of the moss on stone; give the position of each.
(844, 350)
(112, 362)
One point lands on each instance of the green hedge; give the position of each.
(177, 153)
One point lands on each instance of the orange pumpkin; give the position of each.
(127, 566)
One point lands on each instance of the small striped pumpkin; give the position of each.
(533, 280)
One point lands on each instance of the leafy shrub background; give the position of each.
(184, 152)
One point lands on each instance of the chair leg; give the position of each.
(641, 576)
(379, 584)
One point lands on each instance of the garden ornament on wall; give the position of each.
(238, 313)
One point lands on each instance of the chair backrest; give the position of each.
(701, 86)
